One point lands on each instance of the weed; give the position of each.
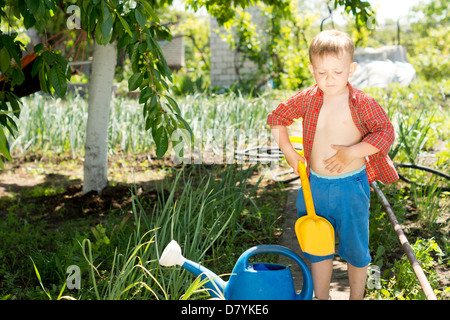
(404, 285)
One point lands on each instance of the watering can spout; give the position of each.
(248, 281)
(172, 256)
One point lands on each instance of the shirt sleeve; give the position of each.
(381, 131)
(286, 112)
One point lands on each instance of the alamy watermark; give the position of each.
(73, 280)
(225, 146)
(373, 277)
(73, 22)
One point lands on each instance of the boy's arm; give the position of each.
(283, 116)
(285, 113)
(281, 136)
(381, 131)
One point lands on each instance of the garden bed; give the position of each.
(43, 210)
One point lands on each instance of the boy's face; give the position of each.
(332, 72)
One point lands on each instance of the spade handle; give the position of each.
(306, 190)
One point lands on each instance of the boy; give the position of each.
(346, 139)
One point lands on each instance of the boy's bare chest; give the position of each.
(335, 115)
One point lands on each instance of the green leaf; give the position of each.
(148, 123)
(43, 80)
(103, 32)
(92, 21)
(4, 148)
(149, 10)
(162, 141)
(140, 18)
(39, 278)
(37, 65)
(5, 60)
(51, 5)
(48, 57)
(59, 59)
(14, 102)
(58, 80)
(125, 24)
(38, 47)
(32, 5)
(134, 54)
(124, 40)
(135, 81)
(173, 104)
(99, 37)
(145, 95)
(28, 20)
(12, 47)
(18, 77)
(150, 109)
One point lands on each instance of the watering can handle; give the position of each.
(242, 264)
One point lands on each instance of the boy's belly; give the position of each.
(322, 150)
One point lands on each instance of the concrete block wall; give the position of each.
(224, 61)
(174, 52)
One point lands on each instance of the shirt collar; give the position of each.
(351, 92)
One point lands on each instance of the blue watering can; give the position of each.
(248, 281)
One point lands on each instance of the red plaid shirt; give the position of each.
(368, 116)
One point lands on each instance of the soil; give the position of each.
(59, 186)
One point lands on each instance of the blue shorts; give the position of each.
(344, 201)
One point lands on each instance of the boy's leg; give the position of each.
(357, 278)
(321, 275)
(353, 231)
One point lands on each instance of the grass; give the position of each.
(52, 127)
(214, 208)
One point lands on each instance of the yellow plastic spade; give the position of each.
(315, 234)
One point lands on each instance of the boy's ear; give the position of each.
(311, 68)
(352, 68)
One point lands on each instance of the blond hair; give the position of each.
(331, 42)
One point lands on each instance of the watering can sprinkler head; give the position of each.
(172, 255)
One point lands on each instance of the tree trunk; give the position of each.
(100, 90)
